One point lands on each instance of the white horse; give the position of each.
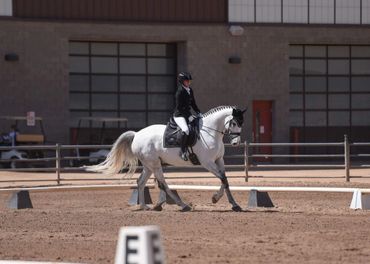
(146, 145)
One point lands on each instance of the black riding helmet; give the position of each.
(184, 76)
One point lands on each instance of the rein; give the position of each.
(221, 132)
(235, 134)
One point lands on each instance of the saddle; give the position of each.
(172, 134)
(172, 137)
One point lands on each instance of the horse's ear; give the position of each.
(234, 111)
(245, 110)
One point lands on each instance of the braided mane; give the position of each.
(217, 109)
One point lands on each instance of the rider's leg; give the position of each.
(184, 140)
(181, 122)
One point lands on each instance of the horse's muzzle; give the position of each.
(235, 141)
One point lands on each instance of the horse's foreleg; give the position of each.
(217, 196)
(158, 173)
(230, 197)
(221, 167)
(213, 168)
(141, 182)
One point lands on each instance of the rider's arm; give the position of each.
(179, 102)
(193, 103)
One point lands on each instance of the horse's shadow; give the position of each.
(210, 209)
(231, 211)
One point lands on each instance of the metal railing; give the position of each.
(244, 161)
(345, 155)
(59, 161)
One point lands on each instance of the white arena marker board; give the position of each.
(139, 245)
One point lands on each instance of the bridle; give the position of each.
(227, 132)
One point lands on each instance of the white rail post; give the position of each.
(57, 162)
(347, 161)
(246, 162)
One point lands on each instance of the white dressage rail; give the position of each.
(358, 200)
(184, 187)
(73, 188)
(267, 188)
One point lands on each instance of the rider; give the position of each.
(184, 100)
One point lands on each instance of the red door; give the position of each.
(262, 127)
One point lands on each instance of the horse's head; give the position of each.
(233, 125)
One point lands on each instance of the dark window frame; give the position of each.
(303, 92)
(118, 111)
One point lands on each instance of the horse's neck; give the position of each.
(216, 120)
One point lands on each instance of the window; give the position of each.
(315, 66)
(268, 11)
(296, 101)
(348, 12)
(361, 84)
(338, 67)
(365, 12)
(300, 11)
(339, 118)
(329, 87)
(315, 84)
(113, 79)
(241, 11)
(338, 84)
(295, 11)
(6, 7)
(315, 101)
(296, 84)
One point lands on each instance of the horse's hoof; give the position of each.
(137, 208)
(237, 208)
(145, 208)
(158, 207)
(186, 208)
(214, 199)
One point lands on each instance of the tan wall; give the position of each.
(39, 80)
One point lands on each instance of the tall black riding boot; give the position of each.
(184, 140)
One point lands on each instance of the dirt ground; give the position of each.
(82, 226)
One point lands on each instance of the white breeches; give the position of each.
(181, 122)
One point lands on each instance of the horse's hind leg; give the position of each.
(141, 182)
(161, 198)
(158, 173)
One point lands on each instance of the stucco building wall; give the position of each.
(39, 81)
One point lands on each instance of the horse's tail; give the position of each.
(120, 157)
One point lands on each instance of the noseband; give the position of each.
(230, 134)
(227, 132)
